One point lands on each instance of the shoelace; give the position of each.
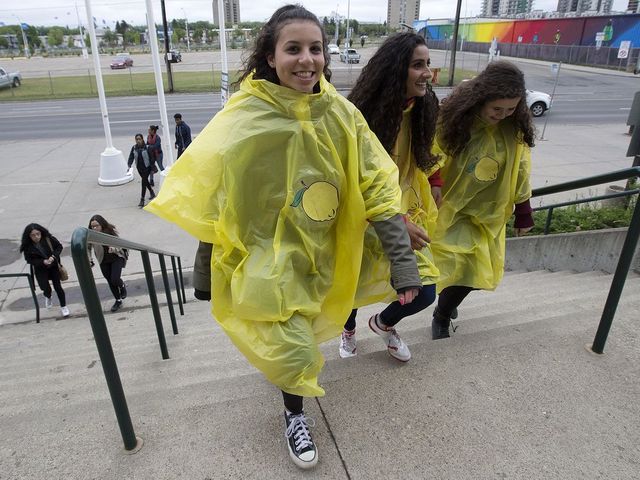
(299, 428)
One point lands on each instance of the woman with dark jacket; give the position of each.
(154, 142)
(42, 251)
(145, 164)
(112, 260)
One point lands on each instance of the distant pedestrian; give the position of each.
(154, 143)
(145, 164)
(112, 260)
(183, 134)
(42, 251)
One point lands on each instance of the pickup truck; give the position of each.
(350, 55)
(9, 79)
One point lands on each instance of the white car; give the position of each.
(333, 49)
(538, 102)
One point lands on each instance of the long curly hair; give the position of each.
(380, 94)
(501, 79)
(26, 241)
(106, 226)
(268, 37)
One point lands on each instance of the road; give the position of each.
(581, 97)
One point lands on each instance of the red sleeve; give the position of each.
(524, 215)
(435, 180)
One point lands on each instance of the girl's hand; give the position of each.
(436, 193)
(522, 231)
(408, 296)
(417, 235)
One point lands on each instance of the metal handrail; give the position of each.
(628, 248)
(32, 287)
(80, 240)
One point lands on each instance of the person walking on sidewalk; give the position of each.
(282, 183)
(145, 164)
(42, 251)
(183, 134)
(485, 132)
(154, 144)
(112, 260)
(404, 120)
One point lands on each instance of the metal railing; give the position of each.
(628, 248)
(32, 287)
(80, 240)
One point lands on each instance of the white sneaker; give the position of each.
(348, 344)
(302, 450)
(395, 346)
(48, 303)
(65, 311)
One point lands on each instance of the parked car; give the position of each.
(333, 49)
(9, 79)
(538, 102)
(350, 55)
(174, 56)
(122, 60)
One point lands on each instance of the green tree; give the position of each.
(70, 42)
(197, 34)
(87, 40)
(110, 38)
(55, 37)
(131, 37)
(4, 43)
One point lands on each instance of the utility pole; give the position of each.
(166, 46)
(186, 24)
(454, 44)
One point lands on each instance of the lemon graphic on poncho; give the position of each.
(319, 200)
(486, 169)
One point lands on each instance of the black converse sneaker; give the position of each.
(302, 450)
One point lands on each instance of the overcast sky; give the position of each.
(63, 12)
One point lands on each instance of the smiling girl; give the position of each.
(485, 131)
(282, 183)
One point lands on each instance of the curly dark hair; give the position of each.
(268, 37)
(106, 226)
(501, 79)
(380, 94)
(26, 239)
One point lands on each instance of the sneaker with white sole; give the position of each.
(48, 303)
(65, 311)
(395, 345)
(302, 450)
(348, 344)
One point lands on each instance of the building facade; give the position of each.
(402, 12)
(633, 6)
(231, 13)
(505, 8)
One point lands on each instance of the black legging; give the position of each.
(112, 272)
(293, 403)
(144, 175)
(53, 275)
(395, 312)
(451, 297)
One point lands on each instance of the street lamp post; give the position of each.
(24, 37)
(186, 23)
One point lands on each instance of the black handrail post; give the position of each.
(167, 291)
(624, 263)
(175, 279)
(32, 286)
(148, 273)
(101, 337)
(184, 297)
(547, 225)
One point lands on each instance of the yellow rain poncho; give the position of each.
(282, 183)
(420, 207)
(480, 189)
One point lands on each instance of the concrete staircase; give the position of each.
(513, 394)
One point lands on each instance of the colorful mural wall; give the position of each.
(548, 31)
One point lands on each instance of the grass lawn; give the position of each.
(114, 85)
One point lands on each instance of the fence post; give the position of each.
(167, 291)
(50, 82)
(175, 279)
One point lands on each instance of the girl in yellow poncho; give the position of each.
(282, 183)
(404, 120)
(485, 131)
